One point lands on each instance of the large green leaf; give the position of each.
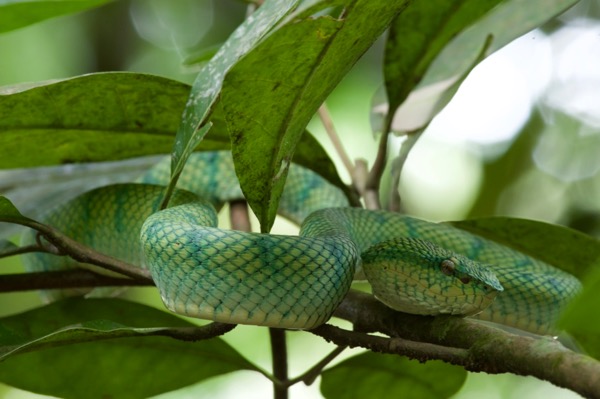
(15, 14)
(565, 248)
(509, 20)
(373, 375)
(434, 43)
(100, 117)
(207, 86)
(271, 94)
(111, 116)
(73, 347)
(418, 35)
(579, 320)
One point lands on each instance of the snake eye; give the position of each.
(447, 267)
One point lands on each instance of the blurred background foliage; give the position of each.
(521, 137)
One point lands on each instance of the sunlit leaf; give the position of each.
(271, 94)
(52, 341)
(207, 86)
(506, 22)
(15, 14)
(418, 35)
(99, 117)
(373, 375)
(433, 44)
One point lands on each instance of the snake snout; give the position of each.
(416, 276)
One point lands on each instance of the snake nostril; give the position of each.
(465, 280)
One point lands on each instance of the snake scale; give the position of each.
(297, 281)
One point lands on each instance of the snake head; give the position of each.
(418, 277)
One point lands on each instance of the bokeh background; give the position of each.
(520, 138)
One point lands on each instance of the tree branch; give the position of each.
(279, 360)
(465, 342)
(414, 350)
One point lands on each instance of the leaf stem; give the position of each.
(405, 148)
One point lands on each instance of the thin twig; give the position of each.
(335, 139)
(23, 250)
(360, 177)
(75, 278)
(85, 254)
(64, 245)
(311, 374)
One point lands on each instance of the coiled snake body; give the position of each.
(298, 281)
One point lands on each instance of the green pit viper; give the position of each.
(298, 281)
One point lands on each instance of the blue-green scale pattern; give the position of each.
(297, 282)
(246, 278)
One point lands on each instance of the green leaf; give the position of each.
(425, 50)
(99, 117)
(418, 35)
(578, 318)
(10, 214)
(6, 247)
(271, 94)
(565, 248)
(15, 14)
(421, 106)
(202, 56)
(506, 22)
(139, 115)
(6, 244)
(207, 86)
(133, 367)
(373, 375)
